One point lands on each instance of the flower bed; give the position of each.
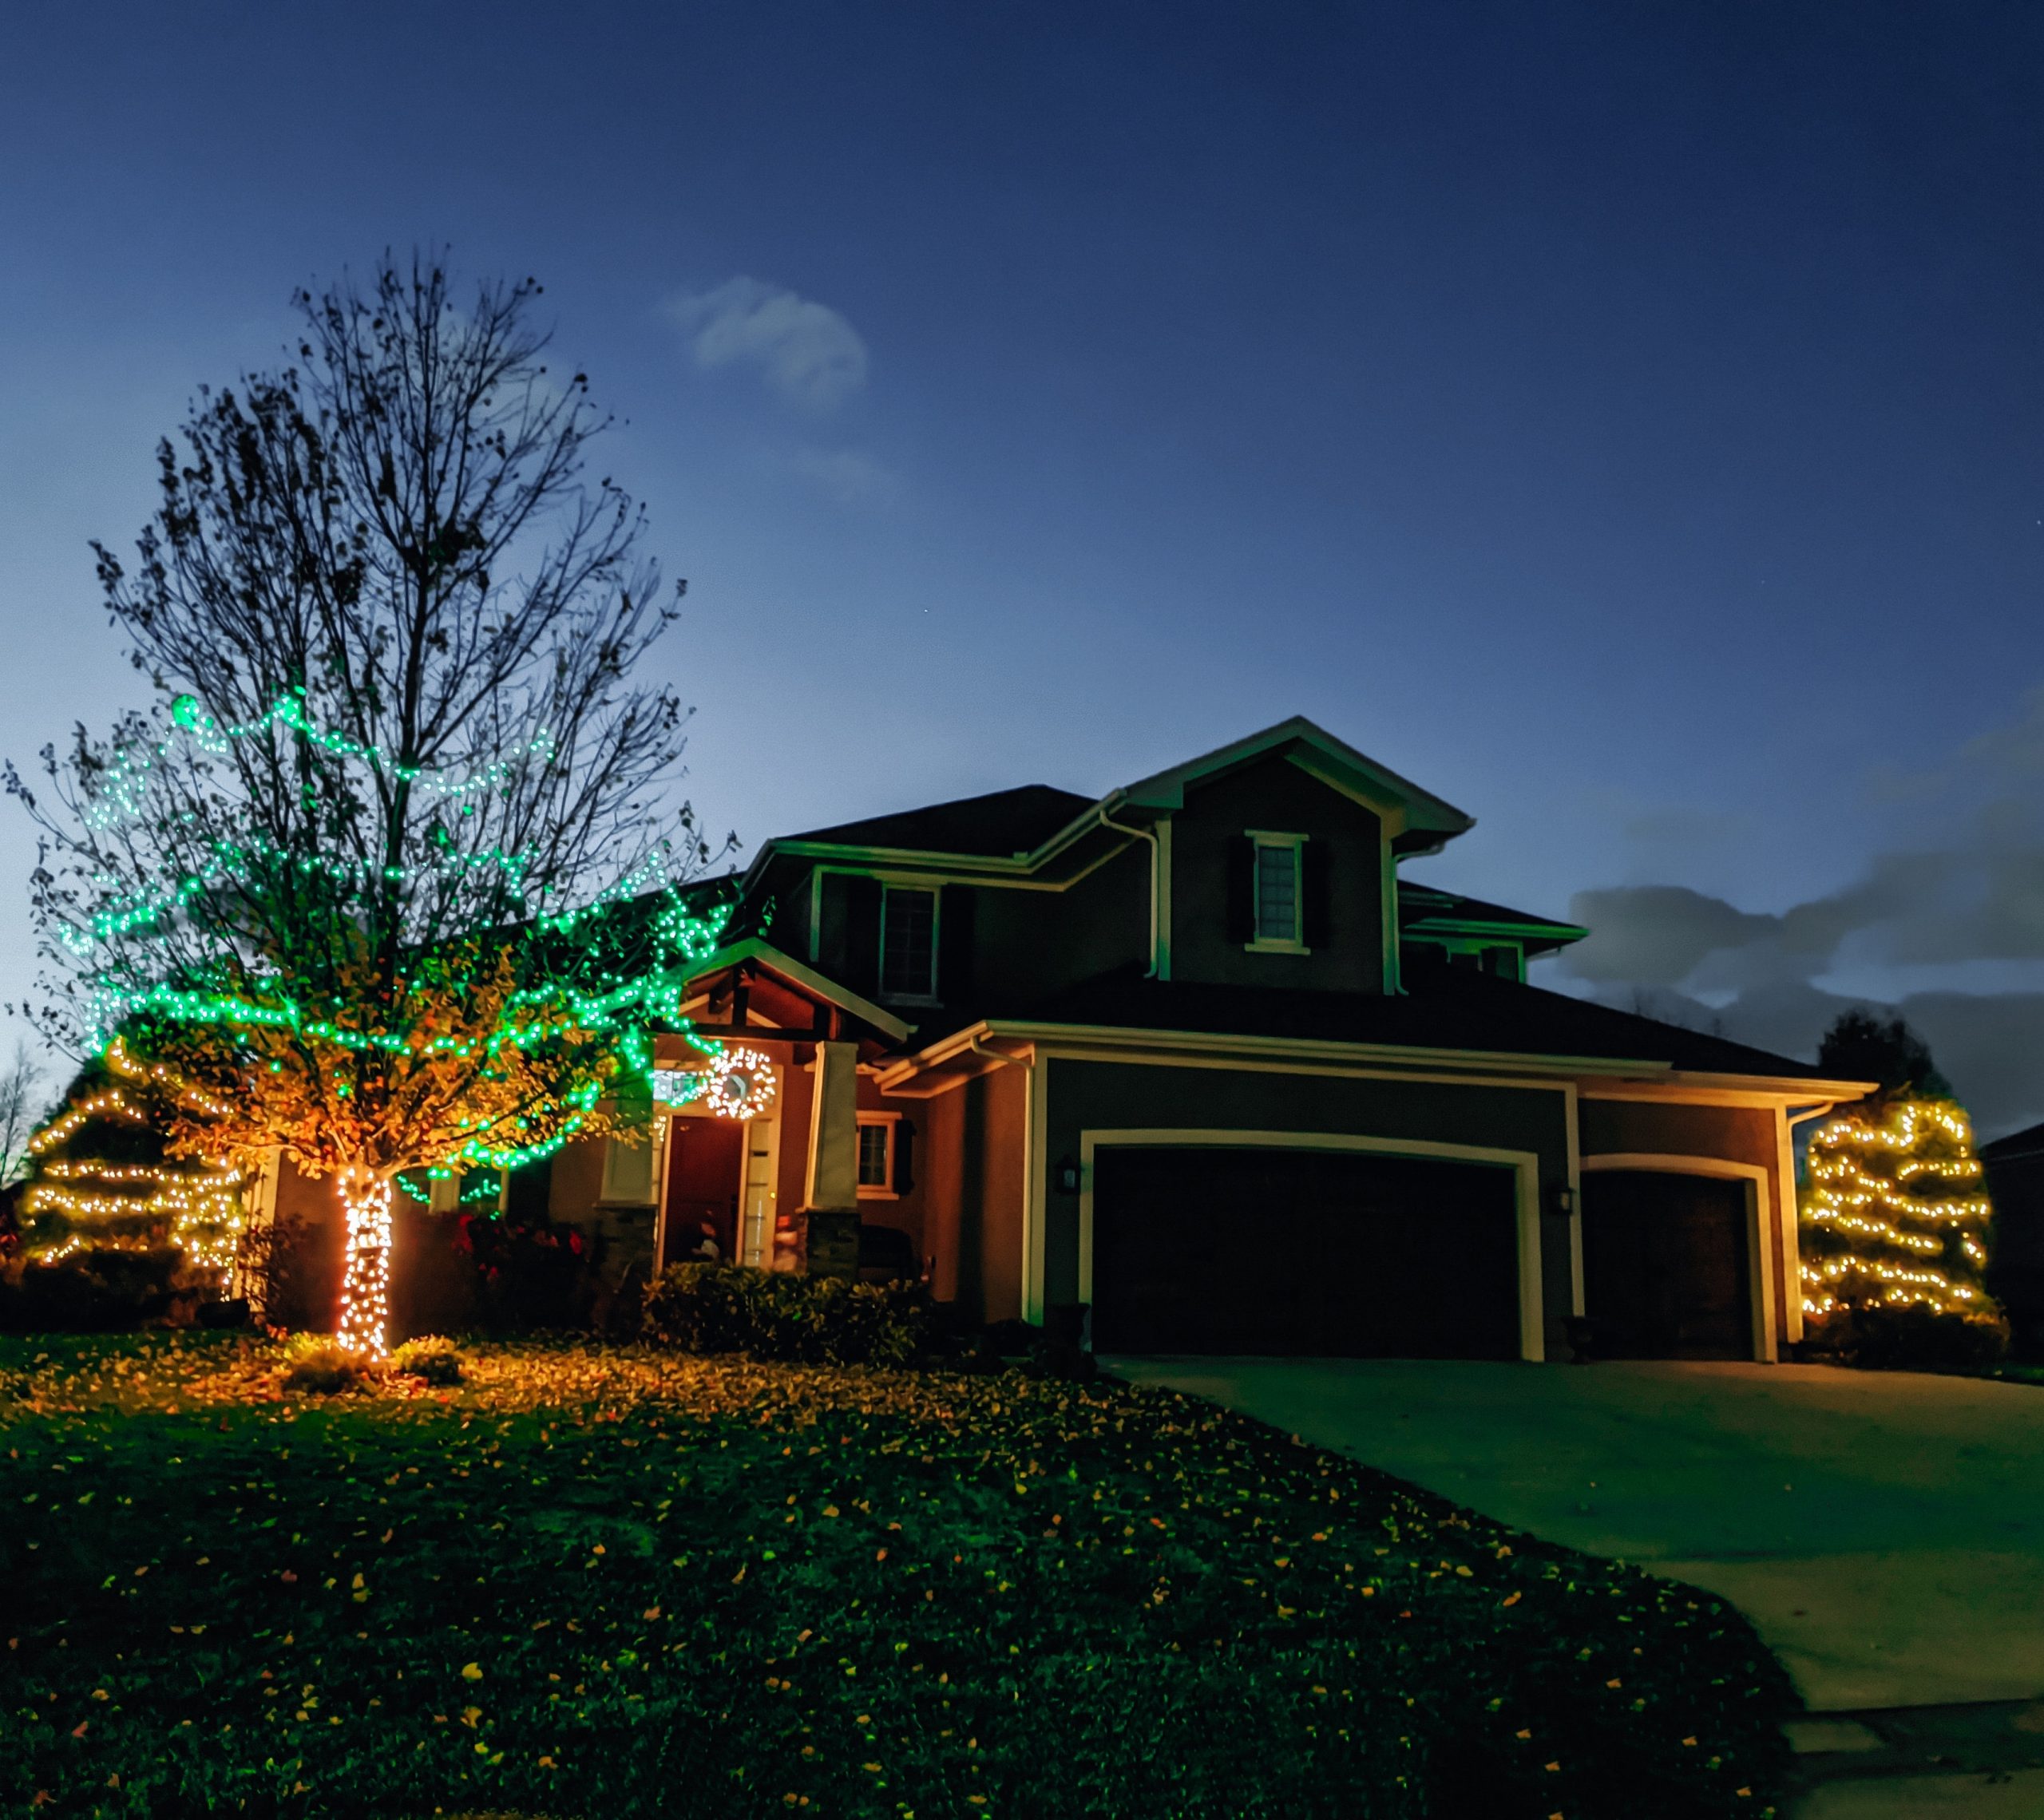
(616, 1582)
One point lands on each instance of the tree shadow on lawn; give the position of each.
(604, 1581)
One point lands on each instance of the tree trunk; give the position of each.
(365, 1201)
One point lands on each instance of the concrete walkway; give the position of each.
(1885, 1532)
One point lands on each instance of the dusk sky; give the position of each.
(1624, 421)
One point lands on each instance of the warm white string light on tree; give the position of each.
(78, 1198)
(383, 877)
(1893, 1215)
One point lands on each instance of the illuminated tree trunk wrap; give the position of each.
(366, 1200)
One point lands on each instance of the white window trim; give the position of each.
(935, 893)
(891, 1122)
(612, 1192)
(1259, 942)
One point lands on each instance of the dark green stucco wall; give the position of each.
(1347, 840)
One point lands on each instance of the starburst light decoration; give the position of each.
(739, 1082)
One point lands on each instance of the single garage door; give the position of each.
(1337, 1253)
(1665, 1270)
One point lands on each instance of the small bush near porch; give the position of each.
(616, 1583)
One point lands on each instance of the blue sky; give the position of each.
(1625, 421)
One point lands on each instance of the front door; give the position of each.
(705, 1159)
(1664, 1269)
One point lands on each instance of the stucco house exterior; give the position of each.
(1192, 1057)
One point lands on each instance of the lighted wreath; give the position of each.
(740, 1082)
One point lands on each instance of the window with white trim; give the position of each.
(907, 944)
(628, 1173)
(877, 1156)
(1276, 906)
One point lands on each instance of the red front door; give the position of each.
(706, 1166)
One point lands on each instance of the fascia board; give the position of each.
(1749, 1086)
(1302, 1048)
(1603, 1077)
(1474, 926)
(1500, 1060)
(1009, 867)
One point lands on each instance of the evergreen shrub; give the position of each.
(318, 1363)
(1910, 1338)
(437, 1360)
(102, 1290)
(775, 1316)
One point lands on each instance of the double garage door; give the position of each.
(1334, 1253)
(1343, 1254)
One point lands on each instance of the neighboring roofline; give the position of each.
(1308, 1050)
(1165, 790)
(2028, 1141)
(798, 973)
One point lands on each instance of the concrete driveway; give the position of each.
(1885, 1532)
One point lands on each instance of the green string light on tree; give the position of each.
(377, 885)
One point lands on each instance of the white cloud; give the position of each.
(808, 353)
(848, 476)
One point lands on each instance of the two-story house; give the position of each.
(1192, 1054)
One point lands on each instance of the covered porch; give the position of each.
(755, 1152)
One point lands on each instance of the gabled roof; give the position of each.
(755, 955)
(1427, 820)
(1002, 824)
(1018, 830)
(1424, 909)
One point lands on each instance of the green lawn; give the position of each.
(606, 1582)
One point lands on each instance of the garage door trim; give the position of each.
(1525, 1165)
(1760, 1224)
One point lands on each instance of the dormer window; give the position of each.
(907, 944)
(1275, 893)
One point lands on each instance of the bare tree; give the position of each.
(368, 884)
(22, 1103)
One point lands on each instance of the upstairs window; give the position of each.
(907, 944)
(1275, 895)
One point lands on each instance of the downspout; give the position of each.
(979, 1048)
(1156, 866)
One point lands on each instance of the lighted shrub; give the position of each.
(318, 1363)
(437, 1360)
(774, 1314)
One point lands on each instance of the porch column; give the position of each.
(831, 1205)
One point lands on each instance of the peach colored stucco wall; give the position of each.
(1742, 1135)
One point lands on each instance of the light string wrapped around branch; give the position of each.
(125, 785)
(1893, 1215)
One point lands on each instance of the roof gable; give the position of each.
(1419, 820)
